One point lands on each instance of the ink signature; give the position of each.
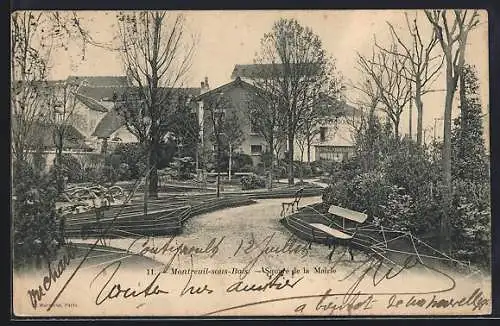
(372, 264)
(265, 247)
(53, 274)
(274, 283)
(116, 291)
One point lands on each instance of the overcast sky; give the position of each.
(227, 38)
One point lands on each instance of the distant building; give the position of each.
(101, 126)
(238, 93)
(334, 141)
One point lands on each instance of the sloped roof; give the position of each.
(266, 70)
(342, 108)
(43, 136)
(100, 93)
(91, 103)
(101, 81)
(238, 82)
(110, 123)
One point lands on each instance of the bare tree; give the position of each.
(422, 68)
(61, 116)
(325, 111)
(387, 71)
(157, 56)
(185, 126)
(267, 120)
(34, 35)
(452, 30)
(368, 99)
(294, 68)
(225, 128)
(233, 135)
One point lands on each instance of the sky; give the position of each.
(226, 38)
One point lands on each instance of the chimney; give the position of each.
(204, 86)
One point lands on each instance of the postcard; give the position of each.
(250, 163)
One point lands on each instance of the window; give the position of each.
(322, 133)
(256, 149)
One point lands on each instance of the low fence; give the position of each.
(166, 216)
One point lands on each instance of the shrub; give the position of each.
(398, 210)
(36, 236)
(70, 167)
(317, 168)
(246, 168)
(252, 182)
(242, 162)
(471, 218)
(184, 167)
(134, 156)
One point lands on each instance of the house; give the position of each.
(237, 93)
(100, 122)
(334, 141)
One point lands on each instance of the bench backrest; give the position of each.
(298, 195)
(348, 214)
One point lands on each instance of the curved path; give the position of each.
(220, 267)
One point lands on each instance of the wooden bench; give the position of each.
(345, 213)
(285, 207)
(334, 235)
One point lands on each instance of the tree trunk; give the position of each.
(420, 114)
(291, 181)
(301, 165)
(230, 161)
(445, 219)
(308, 142)
(271, 170)
(153, 165)
(308, 151)
(104, 147)
(217, 164)
(59, 175)
(462, 102)
(146, 180)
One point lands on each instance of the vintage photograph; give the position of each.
(250, 163)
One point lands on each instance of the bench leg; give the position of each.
(350, 253)
(330, 255)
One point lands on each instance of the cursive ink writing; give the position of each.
(351, 298)
(117, 290)
(211, 249)
(375, 265)
(274, 283)
(265, 247)
(476, 300)
(190, 289)
(53, 274)
(354, 303)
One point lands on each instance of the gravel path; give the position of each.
(217, 251)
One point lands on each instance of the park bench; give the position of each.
(339, 236)
(288, 207)
(348, 214)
